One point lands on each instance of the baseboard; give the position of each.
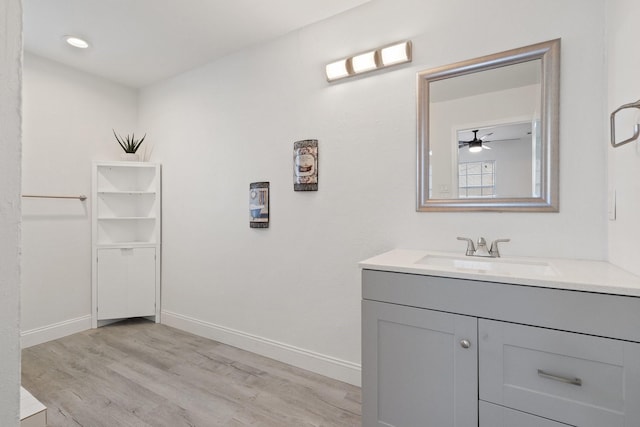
(331, 367)
(54, 331)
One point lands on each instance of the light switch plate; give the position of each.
(611, 203)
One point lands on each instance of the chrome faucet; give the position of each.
(481, 248)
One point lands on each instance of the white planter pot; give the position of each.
(130, 157)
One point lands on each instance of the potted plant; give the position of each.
(130, 145)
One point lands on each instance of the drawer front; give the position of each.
(498, 416)
(572, 378)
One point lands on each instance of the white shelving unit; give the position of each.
(126, 241)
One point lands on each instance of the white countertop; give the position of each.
(569, 274)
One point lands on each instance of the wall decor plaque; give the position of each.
(259, 205)
(305, 165)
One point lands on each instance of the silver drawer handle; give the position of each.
(567, 380)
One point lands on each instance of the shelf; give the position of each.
(126, 235)
(126, 178)
(126, 165)
(132, 192)
(120, 218)
(126, 245)
(128, 229)
(126, 204)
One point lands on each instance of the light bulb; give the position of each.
(337, 70)
(395, 54)
(364, 62)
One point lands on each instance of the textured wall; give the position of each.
(234, 121)
(68, 117)
(10, 70)
(624, 162)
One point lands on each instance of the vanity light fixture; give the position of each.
(386, 56)
(76, 42)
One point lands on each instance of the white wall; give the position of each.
(68, 117)
(624, 162)
(10, 70)
(219, 127)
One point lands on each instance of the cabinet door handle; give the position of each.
(560, 378)
(465, 343)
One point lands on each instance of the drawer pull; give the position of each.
(465, 343)
(566, 380)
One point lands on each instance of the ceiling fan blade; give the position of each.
(485, 147)
(485, 135)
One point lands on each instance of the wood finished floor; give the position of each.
(138, 373)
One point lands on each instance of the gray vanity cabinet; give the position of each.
(444, 352)
(498, 416)
(423, 367)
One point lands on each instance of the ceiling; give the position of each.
(141, 42)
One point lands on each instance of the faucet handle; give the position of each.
(493, 250)
(471, 249)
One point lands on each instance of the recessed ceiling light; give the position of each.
(76, 42)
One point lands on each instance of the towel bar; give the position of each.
(81, 197)
(636, 129)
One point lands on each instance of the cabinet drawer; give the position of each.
(572, 378)
(498, 416)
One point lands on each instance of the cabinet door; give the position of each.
(126, 282)
(141, 294)
(415, 371)
(498, 416)
(112, 284)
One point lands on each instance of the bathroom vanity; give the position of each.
(450, 340)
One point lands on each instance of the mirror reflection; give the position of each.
(497, 161)
(488, 132)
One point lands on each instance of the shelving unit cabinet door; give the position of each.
(141, 295)
(126, 282)
(417, 369)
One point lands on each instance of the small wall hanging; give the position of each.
(259, 205)
(305, 165)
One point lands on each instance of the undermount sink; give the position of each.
(500, 266)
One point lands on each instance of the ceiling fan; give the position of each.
(476, 144)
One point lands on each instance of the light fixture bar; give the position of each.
(386, 56)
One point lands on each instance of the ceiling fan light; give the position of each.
(475, 147)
